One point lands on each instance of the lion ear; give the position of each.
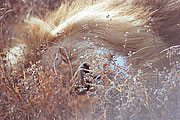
(35, 32)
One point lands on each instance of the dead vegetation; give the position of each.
(121, 93)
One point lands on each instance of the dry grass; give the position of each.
(121, 93)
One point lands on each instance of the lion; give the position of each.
(90, 36)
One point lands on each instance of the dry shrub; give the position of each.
(115, 94)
